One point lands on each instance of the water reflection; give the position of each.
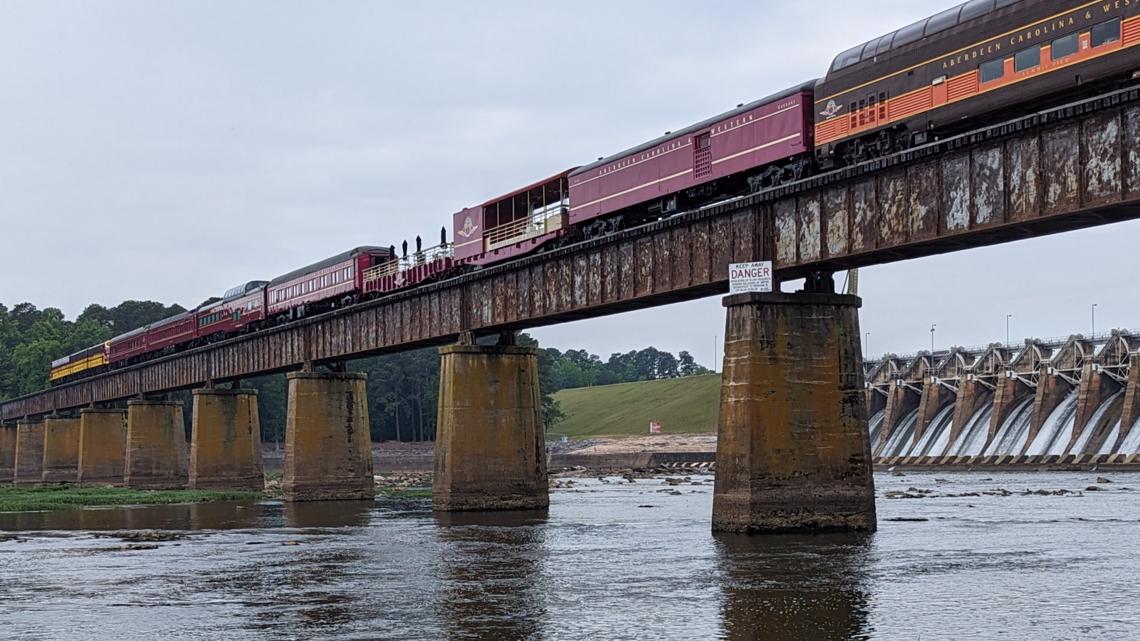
(317, 576)
(221, 516)
(492, 574)
(328, 514)
(225, 515)
(791, 588)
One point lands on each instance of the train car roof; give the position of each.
(242, 290)
(807, 86)
(156, 324)
(914, 32)
(328, 262)
(533, 185)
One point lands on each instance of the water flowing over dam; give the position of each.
(1069, 401)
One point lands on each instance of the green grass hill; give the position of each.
(682, 406)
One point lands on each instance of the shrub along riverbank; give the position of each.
(39, 499)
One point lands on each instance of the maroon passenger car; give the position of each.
(163, 335)
(239, 309)
(752, 136)
(334, 280)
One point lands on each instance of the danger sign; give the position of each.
(750, 277)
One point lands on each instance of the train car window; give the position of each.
(1004, 3)
(884, 44)
(1027, 59)
(875, 47)
(943, 21)
(1106, 32)
(976, 8)
(848, 58)
(910, 34)
(1062, 47)
(992, 70)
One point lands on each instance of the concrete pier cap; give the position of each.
(793, 451)
(7, 452)
(61, 449)
(156, 451)
(102, 446)
(328, 446)
(225, 450)
(490, 451)
(29, 462)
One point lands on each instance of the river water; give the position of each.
(608, 561)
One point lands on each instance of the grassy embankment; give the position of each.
(39, 499)
(682, 406)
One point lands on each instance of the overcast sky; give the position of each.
(169, 151)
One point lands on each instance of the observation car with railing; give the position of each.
(401, 272)
(513, 224)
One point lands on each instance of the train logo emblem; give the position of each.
(469, 227)
(832, 109)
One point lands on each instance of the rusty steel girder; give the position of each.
(1071, 167)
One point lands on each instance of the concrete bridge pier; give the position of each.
(156, 456)
(225, 450)
(29, 464)
(61, 449)
(793, 453)
(490, 450)
(102, 446)
(328, 448)
(7, 453)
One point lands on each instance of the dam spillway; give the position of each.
(1071, 401)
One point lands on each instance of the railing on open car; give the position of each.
(540, 224)
(397, 265)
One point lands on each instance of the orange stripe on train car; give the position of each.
(967, 85)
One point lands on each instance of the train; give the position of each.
(972, 63)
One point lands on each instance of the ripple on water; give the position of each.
(595, 566)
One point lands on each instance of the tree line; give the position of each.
(403, 389)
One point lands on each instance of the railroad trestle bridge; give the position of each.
(1065, 168)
